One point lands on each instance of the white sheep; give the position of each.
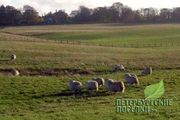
(114, 86)
(13, 57)
(131, 78)
(100, 81)
(147, 71)
(118, 68)
(15, 72)
(75, 85)
(127, 75)
(117, 86)
(108, 83)
(92, 85)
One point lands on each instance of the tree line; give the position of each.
(116, 13)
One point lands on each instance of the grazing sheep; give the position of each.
(75, 85)
(127, 75)
(108, 83)
(147, 71)
(92, 85)
(118, 68)
(117, 86)
(100, 81)
(131, 78)
(15, 72)
(13, 57)
(114, 86)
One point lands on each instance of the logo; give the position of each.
(152, 94)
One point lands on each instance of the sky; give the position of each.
(44, 6)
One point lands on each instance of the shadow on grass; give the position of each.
(4, 60)
(5, 70)
(67, 93)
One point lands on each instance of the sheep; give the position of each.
(114, 86)
(13, 57)
(108, 83)
(75, 85)
(127, 75)
(100, 81)
(117, 86)
(147, 71)
(15, 72)
(118, 68)
(92, 85)
(131, 79)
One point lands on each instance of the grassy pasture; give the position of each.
(29, 97)
(138, 36)
(38, 98)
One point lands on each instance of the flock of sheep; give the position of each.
(108, 84)
(96, 83)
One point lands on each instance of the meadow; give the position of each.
(142, 36)
(49, 56)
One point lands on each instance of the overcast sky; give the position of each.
(44, 6)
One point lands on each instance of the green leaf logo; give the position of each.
(154, 91)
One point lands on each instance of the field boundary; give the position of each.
(80, 42)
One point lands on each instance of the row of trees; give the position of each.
(11, 16)
(117, 13)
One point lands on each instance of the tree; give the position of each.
(127, 15)
(137, 16)
(49, 19)
(118, 7)
(149, 14)
(60, 17)
(9, 15)
(30, 16)
(165, 15)
(83, 15)
(105, 15)
(176, 14)
(13, 16)
(2, 15)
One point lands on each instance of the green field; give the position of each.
(144, 36)
(46, 65)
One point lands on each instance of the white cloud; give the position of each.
(6, 2)
(44, 6)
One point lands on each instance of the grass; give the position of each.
(127, 38)
(138, 36)
(39, 97)
(34, 53)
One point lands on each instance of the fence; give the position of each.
(137, 45)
